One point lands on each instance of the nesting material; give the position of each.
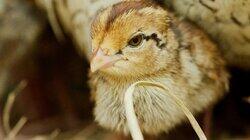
(132, 121)
(48, 5)
(11, 133)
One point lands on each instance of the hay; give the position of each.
(132, 121)
(11, 133)
(49, 7)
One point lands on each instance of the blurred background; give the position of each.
(49, 80)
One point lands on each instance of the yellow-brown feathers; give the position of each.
(114, 26)
(141, 41)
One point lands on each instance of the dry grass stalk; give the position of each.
(11, 133)
(132, 121)
(48, 4)
(52, 136)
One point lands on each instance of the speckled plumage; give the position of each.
(176, 53)
(227, 22)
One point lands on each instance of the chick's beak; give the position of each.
(100, 60)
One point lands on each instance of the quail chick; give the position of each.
(140, 40)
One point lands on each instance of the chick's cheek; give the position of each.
(129, 55)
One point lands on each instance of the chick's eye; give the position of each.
(136, 40)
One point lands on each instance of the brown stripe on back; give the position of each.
(124, 7)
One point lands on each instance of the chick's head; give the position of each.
(132, 38)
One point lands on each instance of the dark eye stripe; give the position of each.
(156, 39)
(135, 41)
